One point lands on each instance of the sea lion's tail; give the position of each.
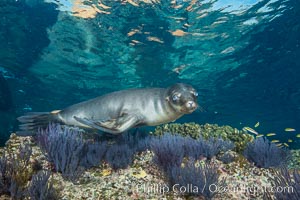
(31, 122)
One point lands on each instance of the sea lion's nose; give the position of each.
(191, 105)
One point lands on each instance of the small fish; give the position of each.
(275, 141)
(27, 108)
(298, 135)
(289, 129)
(289, 140)
(256, 125)
(250, 130)
(259, 135)
(271, 134)
(141, 174)
(285, 144)
(279, 145)
(106, 172)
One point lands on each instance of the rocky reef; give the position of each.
(61, 163)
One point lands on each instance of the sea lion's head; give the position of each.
(182, 98)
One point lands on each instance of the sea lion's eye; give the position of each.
(175, 97)
(195, 93)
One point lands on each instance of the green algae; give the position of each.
(240, 138)
(294, 162)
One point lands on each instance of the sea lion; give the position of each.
(119, 111)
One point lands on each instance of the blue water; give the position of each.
(242, 56)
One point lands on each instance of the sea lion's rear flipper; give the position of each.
(31, 122)
(112, 126)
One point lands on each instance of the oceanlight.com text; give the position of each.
(213, 188)
(250, 189)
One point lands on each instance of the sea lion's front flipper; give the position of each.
(112, 126)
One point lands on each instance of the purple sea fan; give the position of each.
(41, 188)
(65, 147)
(94, 153)
(119, 156)
(168, 150)
(206, 148)
(203, 180)
(5, 174)
(265, 154)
